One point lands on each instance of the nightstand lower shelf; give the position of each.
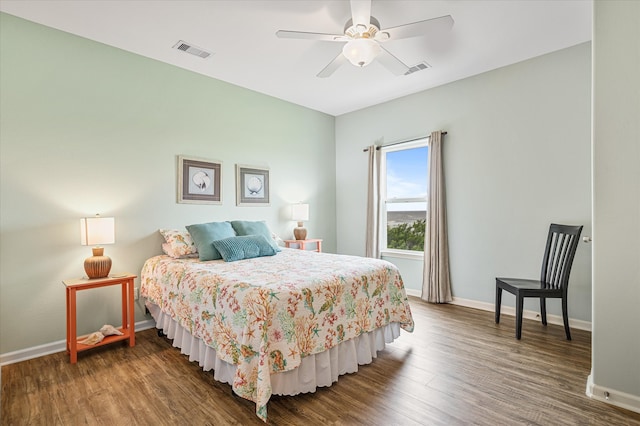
(107, 340)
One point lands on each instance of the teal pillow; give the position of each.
(244, 247)
(204, 234)
(246, 227)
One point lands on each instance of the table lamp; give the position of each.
(95, 231)
(300, 213)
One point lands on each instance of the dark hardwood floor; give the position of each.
(457, 368)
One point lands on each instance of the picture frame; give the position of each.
(252, 185)
(199, 181)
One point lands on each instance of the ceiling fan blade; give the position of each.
(390, 62)
(420, 28)
(311, 36)
(361, 12)
(337, 62)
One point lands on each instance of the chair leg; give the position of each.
(565, 318)
(519, 306)
(543, 310)
(498, 303)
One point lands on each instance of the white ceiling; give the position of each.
(486, 35)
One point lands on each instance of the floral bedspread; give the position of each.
(265, 314)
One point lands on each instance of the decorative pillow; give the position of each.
(279, 241)
(244, 247)
(178, 243)
(245, 227)
(204, 234)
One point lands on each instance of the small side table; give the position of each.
(302, 244)
(128, 312)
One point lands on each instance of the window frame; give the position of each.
(401, 146)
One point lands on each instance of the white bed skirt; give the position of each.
(315, 371)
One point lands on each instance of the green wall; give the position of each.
(86, 128)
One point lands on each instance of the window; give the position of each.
(404, 194)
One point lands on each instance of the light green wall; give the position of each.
(517, 157)
(86, 128)
(616, 209)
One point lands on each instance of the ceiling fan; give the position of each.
(364, 38)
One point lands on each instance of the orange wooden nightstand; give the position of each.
(302, 244)
(128, 312)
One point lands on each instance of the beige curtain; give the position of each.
(373, 204)
(436, 284)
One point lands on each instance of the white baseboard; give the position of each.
(53, 347)
(612, 396)
(508, 310)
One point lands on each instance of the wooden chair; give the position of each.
(562, 242)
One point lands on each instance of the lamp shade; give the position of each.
(300, 212)
(97, 230)
(361, 51)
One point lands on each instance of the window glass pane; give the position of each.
(406, 181)
(407, 173)
(406, 224)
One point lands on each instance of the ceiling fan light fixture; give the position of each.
(361, 51)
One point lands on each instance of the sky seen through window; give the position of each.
(407, 177)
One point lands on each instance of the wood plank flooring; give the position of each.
(457, 368)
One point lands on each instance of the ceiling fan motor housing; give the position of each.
(362, 31)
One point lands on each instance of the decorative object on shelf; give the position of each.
(92, 339)
(300, 213)
(199, 181)
(93, 232)
(252, 185)
(109, 330)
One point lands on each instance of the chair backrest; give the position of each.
(562, 243)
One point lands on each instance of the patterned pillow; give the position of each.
(244, 247)
(246, 227)
(178, 243)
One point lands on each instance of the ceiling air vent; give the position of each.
(190, 48)
(421, 66)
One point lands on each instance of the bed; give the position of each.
(282, 324)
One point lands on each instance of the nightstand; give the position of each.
(302, 244)
(128, 312)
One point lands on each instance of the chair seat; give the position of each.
(529, 287)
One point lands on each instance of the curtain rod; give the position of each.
(398, 143)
